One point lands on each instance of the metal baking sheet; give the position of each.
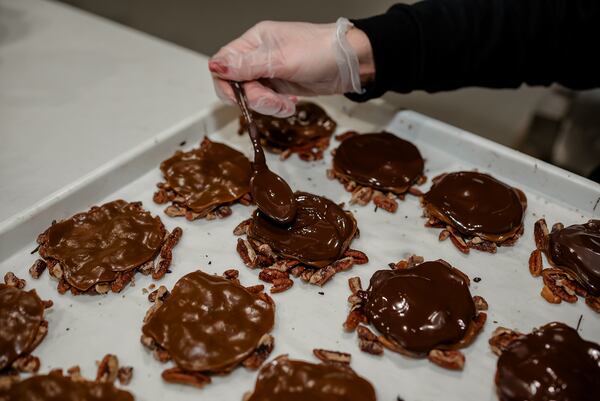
(84, 328)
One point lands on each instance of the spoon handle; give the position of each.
(242, 101)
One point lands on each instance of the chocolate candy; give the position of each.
(381, 161)
(95, 246)
(477, 204)
(56, 387)
(576, 249)
(551, 363)
(209, 324)
(421, 308)
(318, 236)
(204, 178)
(21, 315)
(290, 380)
(309, 124)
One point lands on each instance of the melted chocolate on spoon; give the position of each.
(576, 249)
(289, 380)
(420, 308)
(477, 204)
(272, 195)
(551, 363)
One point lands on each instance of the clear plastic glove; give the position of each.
(278, 61)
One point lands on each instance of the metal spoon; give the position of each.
(270, 192)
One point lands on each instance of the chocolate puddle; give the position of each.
(551, 363)
(420, 308)
(380, 160)
(318, 236)
(290, 380)
(209, 323)
(477, 204)
(576, 249)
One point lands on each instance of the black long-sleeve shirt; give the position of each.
(438, 45)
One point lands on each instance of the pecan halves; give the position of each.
(447, 359)
(502, 338)
(541, 235)
(368, 342)
(180, 376)
(261, 353)
(332, 357)
(535, 263)
(562, 285)
(108, 369)
(37, 268)
(166, 253)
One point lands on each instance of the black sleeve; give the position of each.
(438, 45)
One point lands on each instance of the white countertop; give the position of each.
(77, 90)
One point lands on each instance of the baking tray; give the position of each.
(84, 328)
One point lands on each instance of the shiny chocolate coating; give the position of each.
(209, 176)
(209, 323)
(576, 249)
(290, 380)
(93, 246)
(420, 308)
(309, 123)
(21, 313)
(319, 235)
(381, 161)
(477, 204)
(55, 387)
(553, 363)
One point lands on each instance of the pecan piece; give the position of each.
(361, 196)
(125, 374)
(480, 303)
(385, 202)
(246, 252)
(11, 280)
(562, 285)
(345, 135)
(549, 296)
(354, 319)
(281, 285)
(332, 357)
(448, 359)
(27, 364)
(123, 278)
(540, 233)
(323, 275)
(160, 294)
(108, 369)
(242, 228)
(593, 302)
(502, 338)
(231, 274)
(355, 284)
(359, 258)
(368, 342)
(180, 376)
(37, 268)
(535, 263)
(261, 353)
(269, 275)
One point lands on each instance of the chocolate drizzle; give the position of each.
(551, 363)
(92, 247)
(209, 323)
(289, 380)
(56, 387)
(209, 176)
(381, 161)
(318, 236)
(477, 204)
(576, 249)
(421, 308)
(21, 314)
(308, 124)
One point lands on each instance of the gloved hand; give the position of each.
(280, 60)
